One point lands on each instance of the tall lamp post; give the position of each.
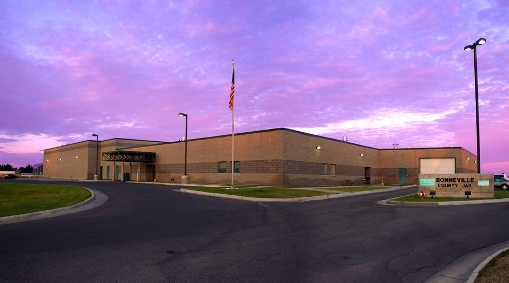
(96, 177)
(473, 46)
(185, 178)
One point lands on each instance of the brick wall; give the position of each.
(280, 156)
(76, 161)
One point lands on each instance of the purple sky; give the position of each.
(378, 72)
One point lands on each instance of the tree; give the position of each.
(27, 169)
(6, 167)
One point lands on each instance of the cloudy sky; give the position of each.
(378, 72)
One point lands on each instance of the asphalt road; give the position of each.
(151, 233)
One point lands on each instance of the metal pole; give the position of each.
(477, 113)
(233, 146)
(233, 132)
(97, 150)
(185, 154)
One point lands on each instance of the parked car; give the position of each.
(10, 176)
(26, 175)
(501, 182)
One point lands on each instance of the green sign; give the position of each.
(427, 182)
(483, 183)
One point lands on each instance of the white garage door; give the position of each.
(438, 166)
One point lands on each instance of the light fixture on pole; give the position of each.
(185, 154)
(473, 46)
(97, 151)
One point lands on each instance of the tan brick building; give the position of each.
(269, 157)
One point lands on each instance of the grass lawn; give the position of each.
(25, 198)
(265, 192)
(499, 194)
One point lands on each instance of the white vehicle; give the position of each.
(501, 182)
(26, 175)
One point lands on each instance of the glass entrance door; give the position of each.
(117, 173)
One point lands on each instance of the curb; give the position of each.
(444, 203)
(302, 199)
(480, 267)
(467, 267)
(173, 184)
(95, 200)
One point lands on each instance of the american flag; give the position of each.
(232, 91)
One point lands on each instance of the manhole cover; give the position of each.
(346, 258)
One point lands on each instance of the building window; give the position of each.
(108, 172)
(324, 168)
(332, 169)
(237, 167)
(221, 167)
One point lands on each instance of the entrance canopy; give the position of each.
(129, 156)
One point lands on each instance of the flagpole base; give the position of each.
(184, 179)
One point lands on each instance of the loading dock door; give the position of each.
(438, 166)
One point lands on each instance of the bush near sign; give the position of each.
(455, 185)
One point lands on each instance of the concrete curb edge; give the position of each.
(84, 205)
(444, 203)
(302, 199)
(480, 267)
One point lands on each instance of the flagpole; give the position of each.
(233, 120)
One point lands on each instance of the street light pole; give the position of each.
(473, 46)
(97, 151)
(185, 154)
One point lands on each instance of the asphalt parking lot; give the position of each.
(154, 233)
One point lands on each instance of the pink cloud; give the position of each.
(127, 68)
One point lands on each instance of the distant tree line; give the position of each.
(8, 167)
